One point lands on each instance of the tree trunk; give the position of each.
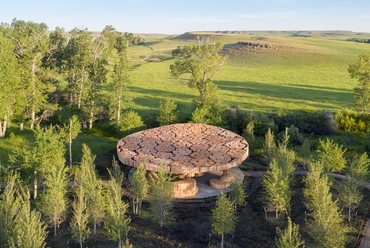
(35, 187)
(70, 143)
(349, 212)
(3, 128)
(222, 240)
(21, 126)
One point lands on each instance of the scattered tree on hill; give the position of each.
(161, 196)
(168, 113)
(223, 217)
(139, 188)
(350, 194)
(330, 155)
(117, 222)
(325, 223)
(289, 237)
(202, 62)
(361, 71)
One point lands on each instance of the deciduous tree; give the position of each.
(223, 217)
(361, 71)
(289, 237)
(117, 222)
(139, 188)
(202, 62)
(325, 223)
(161, 196)
(168, 113)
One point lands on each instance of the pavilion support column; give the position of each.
(224, 173)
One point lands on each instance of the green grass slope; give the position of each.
(279, 71)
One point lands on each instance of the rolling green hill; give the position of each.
(265, 71)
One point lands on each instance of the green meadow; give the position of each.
(296, 73)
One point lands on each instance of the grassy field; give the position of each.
(296, 73)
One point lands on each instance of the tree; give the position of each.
(9, 207)
(29, 230)
(80, 216)
(361, 71)
(289, 237)
(223, 217)
(325, 221)
(330, 155)
(54, 199)
(350, 188)
(210, 113)
(10, 88)
(168, 113)
(116, 223)
(277, 191)
(269, 146)
(202, 62)
(31, 44)
(72, 130)
(161, 196)
(92, 187)
(131, 122)
(119, 90)
(139, 188)
(304, 151)
(238, 195)
(77, 56)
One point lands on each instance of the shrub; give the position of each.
(350, 121)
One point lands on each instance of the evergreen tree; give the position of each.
(161, 196)
(223, 217)
(139, 188)
(131, 122)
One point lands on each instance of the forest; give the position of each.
(66, 98)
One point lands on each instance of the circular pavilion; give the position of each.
(186, 150)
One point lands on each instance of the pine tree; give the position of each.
(223, 217)
(330, 155)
